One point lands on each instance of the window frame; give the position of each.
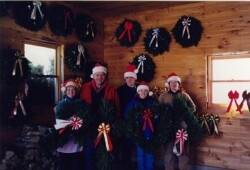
(210, 81)
(59, 64)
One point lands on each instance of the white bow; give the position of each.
(37, 5)
(186, 23)
(141, 60)
(155, 36)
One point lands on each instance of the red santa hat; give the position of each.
(98, 68)
(172, 77)
(144, 85)
(67, 83)
(130, 71)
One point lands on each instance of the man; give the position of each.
(173, 82)
(126, 93)
(92, 92)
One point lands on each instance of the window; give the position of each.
(228, 72)
(45, 73)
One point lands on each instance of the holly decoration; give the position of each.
(85, 27)
(76, 57)
(157, 41)
(61, 20)
(145, 67)
(187, 31)
(30, 14)
(128, 32)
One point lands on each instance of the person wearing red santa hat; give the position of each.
(71, 153)
(173, 83)
(126, 93)
(93, 92)
(145, 160)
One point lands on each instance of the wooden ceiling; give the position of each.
(112, 8)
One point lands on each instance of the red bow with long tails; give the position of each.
(181, 136)
(104, 131)
(128, 27)
(146, 116)
(233, 96)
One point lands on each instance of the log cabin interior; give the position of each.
(225, 38)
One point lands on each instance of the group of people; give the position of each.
(124, 98)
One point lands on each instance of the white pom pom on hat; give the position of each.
(172, 77)
(69, 82)
(98, 68)
(130, 71)
(144, 85)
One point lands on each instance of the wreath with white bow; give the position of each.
(30, 14)
(61, 20)
(157, 41)
(76, 57)
(128, 32)
(187, 31)
(85, 27)
(145, 67)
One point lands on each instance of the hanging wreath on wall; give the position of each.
(61, 20)
(187, 31)
(85, 28)
(76, 57)
(157, 41)
(145, 67)
(128, 32)
(30, 14)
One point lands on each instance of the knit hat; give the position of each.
(98, 68)
(69, 82)
(130, 71)
(143, 85)
(172, 77)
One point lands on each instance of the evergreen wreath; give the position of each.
(187, 31)
(54, 140)
(162, 125)
(30, 14)
(61, 20)
(107, 115)
(181, 112)
(85, 27)
(128, 32)
(76, 57)
(145, 67)
(157, 41)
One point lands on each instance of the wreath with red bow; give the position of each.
(76, 57)
(145, 67)
(61, 20)
(85, 27)
(128, 32)
(187, 31)
(157, 116)
(30, 14)
(157, 41)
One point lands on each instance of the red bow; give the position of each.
(233, 96)
(128, 27)
(104, 130)
(67, 17)
(146, 116)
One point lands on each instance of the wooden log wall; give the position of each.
(226, 29)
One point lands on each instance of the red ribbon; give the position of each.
(181, 136)
(146, 116)
(233, 96)
(76, 123)
(67, 17)
(128, 27)
(104, 130)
